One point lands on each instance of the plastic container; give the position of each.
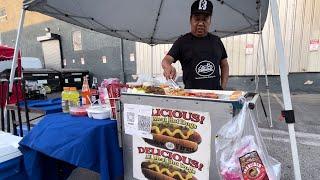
(74, 97)
(78, 111)
(99, 112)
(65, 99)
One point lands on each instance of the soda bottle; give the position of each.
(85, 93)
(65, 99)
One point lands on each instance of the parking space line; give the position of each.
(308, 139)
(308, 143)
(298, 134)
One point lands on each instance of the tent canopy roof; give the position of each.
(152, 21)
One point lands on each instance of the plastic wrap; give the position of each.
(241, 153)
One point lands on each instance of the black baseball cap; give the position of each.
(202, 7)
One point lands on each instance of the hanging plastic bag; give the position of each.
(241, 153)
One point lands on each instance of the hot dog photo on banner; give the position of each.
(179, 147)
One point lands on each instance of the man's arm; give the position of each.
(224, 66)
(168, 70)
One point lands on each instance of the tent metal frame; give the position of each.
(288, 111)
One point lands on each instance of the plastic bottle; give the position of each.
(65, 99)
(74, 97)
(85, 93)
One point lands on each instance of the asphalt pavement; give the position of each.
(307, 126)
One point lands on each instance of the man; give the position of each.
(201, 54)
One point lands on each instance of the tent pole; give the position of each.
(265, 68)
(288, 112)
(16, 49)
(15, 56)
(122, 73)
(152, 60)
(266, 77)
(256, 77)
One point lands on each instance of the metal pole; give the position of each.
(256, 77)
(267, 81)
(18, 106)
(285, 85)
(26, 109)
(122, 73)
(151, 61)
(265, 68)
(16, 50)
(151, 70)
(15, 54)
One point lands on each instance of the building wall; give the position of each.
(300, 24)
(94, 45)
(13, 10)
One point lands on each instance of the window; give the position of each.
(3, 14)
(76, 40)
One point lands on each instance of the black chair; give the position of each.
(12, 108)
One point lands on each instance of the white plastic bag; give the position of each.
(241, 153)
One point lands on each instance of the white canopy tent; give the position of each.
(163, 21)
(151, 21)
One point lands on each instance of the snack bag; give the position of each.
(240, 152)
(113, 88)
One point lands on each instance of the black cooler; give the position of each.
(73, 77)
(47, 77)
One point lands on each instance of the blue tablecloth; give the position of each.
(80, 141)
(48, 105)
(13, 169)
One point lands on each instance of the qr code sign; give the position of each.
(144, 123)
(130, 118)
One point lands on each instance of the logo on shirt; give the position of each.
(205, 68)
(203, 5)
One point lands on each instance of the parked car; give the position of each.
(31, 63)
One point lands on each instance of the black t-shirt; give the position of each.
(200, 60)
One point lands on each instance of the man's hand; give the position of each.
(169, 72)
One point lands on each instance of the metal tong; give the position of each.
(173, 84)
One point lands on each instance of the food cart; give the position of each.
(209, 116)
